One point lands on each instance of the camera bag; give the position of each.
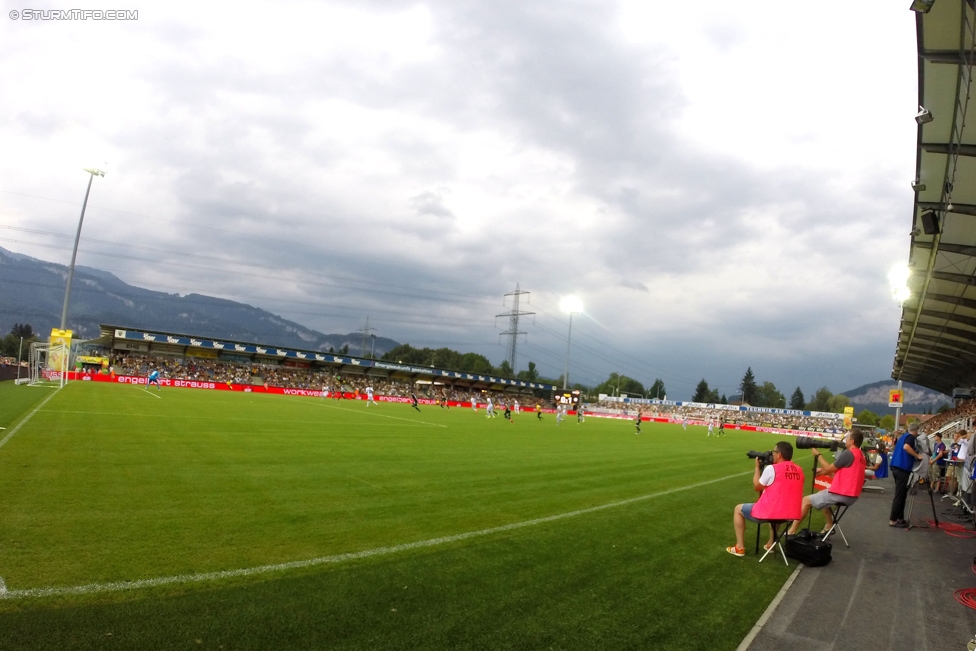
(808, 548)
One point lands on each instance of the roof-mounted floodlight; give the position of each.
(918, 186)
(922, 6)
(924, 115)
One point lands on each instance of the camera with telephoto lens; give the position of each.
(807, 442)
(765, 458)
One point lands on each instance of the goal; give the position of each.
(48, 365)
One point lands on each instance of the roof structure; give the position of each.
(937, 337)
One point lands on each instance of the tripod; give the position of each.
(918, 479)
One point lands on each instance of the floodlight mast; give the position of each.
(93, 172)
(569, 304)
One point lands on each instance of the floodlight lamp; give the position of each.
(924, 116)
(918, 186)
(94, 171)
(922, 6)
(571, 304)
(898, 278)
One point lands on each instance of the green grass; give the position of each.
(111, 483)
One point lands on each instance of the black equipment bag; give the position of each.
(808, 548)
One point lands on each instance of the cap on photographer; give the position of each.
(781, 485)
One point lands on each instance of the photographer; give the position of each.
(848, 471)
(903, 458)
(781, 485)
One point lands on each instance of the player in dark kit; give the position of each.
(508, 413)
(637, 421)
(538, 411)
(413, 397)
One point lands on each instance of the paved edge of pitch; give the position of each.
(747, 641)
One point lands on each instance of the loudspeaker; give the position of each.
(930, 223)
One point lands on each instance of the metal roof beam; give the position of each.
(946, 148)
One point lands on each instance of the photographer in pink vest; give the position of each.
(781, 485)
(848, 471)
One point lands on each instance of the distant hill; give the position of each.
(874, 397)
(32, 291)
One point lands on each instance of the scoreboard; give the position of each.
(568, 398)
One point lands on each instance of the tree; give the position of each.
(748, 387)
(943, 408)
(657, 390)
(617, 384)
(723, 400)
(532, 374)
(837, 403)
(887, 422)
(820, 399)
(797, 401)
(701, 392)
(867, 417)
(505, 369)
(22, 330)
(769, 396)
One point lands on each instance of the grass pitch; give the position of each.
(250, 521)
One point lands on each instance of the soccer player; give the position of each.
(710, 426)
(721, 428)
(538, 411)
(413, 397)
(579, 414)
(369, 396)
(490, 409)
(508, 414)
(560, 413)
(637, 421)
(325, 391)
(518, 409)
(153, 379)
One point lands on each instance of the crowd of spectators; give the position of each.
(293, 377)
(730, 417)
(965, 410)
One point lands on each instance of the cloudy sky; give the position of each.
(722, 186)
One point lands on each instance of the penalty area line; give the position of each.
(119, 586)
(151, 393)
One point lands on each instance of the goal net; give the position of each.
(48, 364)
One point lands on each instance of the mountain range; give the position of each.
(874, 397)
(32, 291)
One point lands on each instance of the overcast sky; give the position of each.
(722, 185)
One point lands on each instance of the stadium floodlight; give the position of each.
(571, 305)
(922, 6)
(918, 186)
(93, 172)
(924, 116)
(898, 277)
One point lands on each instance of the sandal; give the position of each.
(736, 551)
(769, 546)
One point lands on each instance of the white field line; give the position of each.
(409, 420)
(6, 593)
(151, 393)
(29, 416)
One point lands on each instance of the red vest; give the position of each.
(850, 480)
(781, 500)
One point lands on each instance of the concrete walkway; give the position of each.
(892, 589)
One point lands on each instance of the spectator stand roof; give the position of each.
(143, 341)
(937, 337)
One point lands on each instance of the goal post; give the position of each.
(48, 364)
